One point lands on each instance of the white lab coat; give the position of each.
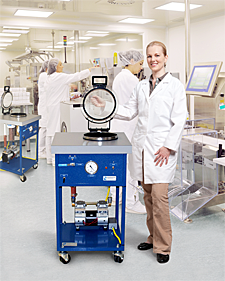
(42, 110)
(123, 86)
(161, 119)
(57, 90)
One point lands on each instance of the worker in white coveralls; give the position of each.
(123, 85)
(57, 89)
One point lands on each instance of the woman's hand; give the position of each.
(162, 155)
(97, 101)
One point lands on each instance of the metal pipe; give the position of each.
(187, 39)
(187, 45)
(53, 42)
(76, 51)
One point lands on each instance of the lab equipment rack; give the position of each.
(72, 153)
(28, 127)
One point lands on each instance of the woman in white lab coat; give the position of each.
(57, 89)
(42, 110)
(160, 103)
(123, 85)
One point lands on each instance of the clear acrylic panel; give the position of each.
(196, 177)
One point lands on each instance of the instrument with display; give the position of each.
(96, 116)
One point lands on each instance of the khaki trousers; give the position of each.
(158, 216)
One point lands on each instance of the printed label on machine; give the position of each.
(109, 178)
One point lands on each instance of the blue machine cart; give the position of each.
(28, 127)
(90, 163)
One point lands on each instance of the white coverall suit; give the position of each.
(42, 110)
(123, 86)
(57, 90)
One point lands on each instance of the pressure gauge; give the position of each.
(91, 167)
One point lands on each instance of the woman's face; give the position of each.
(137, 67)
(156, 58)
(59, 67)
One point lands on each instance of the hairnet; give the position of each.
(52, 65)
(44, 66)
(127, 56)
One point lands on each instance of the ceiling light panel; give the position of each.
(107, 44)
(4, 45)
(103, 32)
(7, 40)
(126, 40)
(9, 34)
(49, 50)
(136, 20)
(30, 13)
(82, 38)
(15, 31)
(79, 41)
(97, 34)
(177, 7)
(16, 27)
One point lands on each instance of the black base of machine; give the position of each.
(100, 136)
(18, 114)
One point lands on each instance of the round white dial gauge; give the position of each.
(91, 167)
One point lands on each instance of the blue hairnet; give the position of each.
(126, 57)
(44, 66)
(52, 65)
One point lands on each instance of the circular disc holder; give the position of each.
(99, 115)
(6, 100)
(6, 103)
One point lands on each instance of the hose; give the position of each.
(107, 194)
(113, 229)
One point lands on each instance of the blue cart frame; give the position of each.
(19, 165)
(70, 172)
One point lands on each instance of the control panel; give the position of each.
(29, 130)
(91, 169)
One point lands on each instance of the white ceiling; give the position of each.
(98, 15)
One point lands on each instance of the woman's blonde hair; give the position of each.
(157, 43)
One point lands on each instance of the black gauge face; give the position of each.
(7, 99)
(99, 114)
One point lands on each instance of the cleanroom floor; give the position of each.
(28, 239)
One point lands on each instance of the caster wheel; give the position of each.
(118, 259)
(23, 178)
(64, 261)
(35, 166)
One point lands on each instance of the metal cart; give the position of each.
(28, 127)
(79, 162)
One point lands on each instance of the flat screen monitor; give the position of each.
(202, 79)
